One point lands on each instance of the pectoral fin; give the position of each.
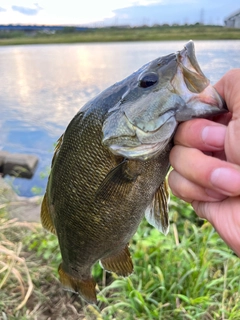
(120, 263)
(157, 213)
(118, 181)
(45, 216)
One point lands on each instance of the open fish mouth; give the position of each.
(193, 76)
(201, 98)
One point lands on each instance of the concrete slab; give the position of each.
(24, 209)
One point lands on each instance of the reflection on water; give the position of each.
(43, 86)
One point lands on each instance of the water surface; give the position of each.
(43, 87)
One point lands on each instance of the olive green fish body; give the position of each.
(99, 220)
(109, 167)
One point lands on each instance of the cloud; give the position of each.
(26, 10)
(179, 11)
(2, 9)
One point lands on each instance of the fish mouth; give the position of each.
(194, 78)
(142, 152)
(200, 97)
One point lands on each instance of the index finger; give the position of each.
(202, 134)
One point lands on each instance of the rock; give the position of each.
(17, 164)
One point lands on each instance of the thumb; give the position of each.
(228, 88)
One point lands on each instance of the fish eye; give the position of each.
(148, 80)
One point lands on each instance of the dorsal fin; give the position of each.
(57, 148)
(46, 219)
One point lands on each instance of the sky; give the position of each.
(115, 12)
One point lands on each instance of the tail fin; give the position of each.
(86, 288)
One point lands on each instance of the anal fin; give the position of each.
(120, 263)
(86, 287)
(45, 216)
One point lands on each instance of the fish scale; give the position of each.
(109, 168)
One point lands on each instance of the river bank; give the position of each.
(115, 34)
(20, 208)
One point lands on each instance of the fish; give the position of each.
(109, 167)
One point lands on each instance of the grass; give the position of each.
(13, 267)
(189, 274)
(157, 33)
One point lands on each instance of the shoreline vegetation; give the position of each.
(188, 274)
(118, 34)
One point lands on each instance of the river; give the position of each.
(43, 87)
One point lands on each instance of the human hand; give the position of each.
(206, 162)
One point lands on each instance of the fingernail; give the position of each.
(226, 179)
(214, 136)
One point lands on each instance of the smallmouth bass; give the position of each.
(109, 167)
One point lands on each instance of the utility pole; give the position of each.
(202, 16)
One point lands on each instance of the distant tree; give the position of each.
(68, 30)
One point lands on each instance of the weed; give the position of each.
(188, 274)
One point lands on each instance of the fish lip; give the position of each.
(211, 99)
(151, 150)
(193, 76)
(200, 97)
(189, 52)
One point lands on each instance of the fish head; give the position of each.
(159, 96)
